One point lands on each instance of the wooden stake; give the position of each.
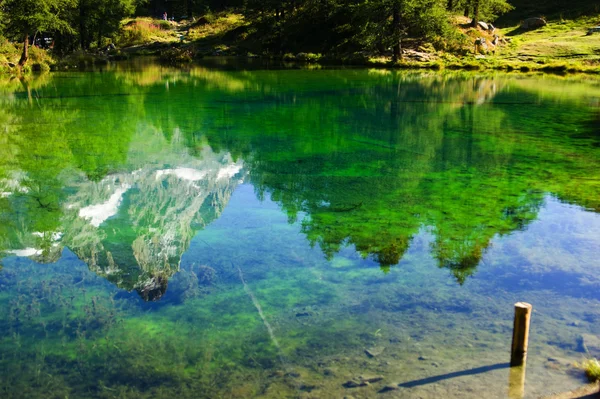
(518, 354)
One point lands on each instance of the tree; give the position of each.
(24, 18)
(487, 9)
(97, 19)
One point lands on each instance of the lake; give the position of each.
(236, 233)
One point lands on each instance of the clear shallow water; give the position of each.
(213, 233)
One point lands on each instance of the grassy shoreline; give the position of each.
(560, 47)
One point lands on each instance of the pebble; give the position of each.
(373, 378)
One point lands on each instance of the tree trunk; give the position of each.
(25, 54)
(397, 46)
(475, 20)
(82, 29)
(99, 45)
(450, 5)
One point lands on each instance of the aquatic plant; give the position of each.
(591, 368)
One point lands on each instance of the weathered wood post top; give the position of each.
(518, 354)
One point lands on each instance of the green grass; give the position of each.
(592, 369)
(141, 31)
(566, 39)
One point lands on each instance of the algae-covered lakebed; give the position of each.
(212, 233)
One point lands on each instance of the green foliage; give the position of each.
(176, 56)
(27, 17)
(592, 369)
(97, 19)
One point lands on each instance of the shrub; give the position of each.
(176, 56)
(592, 369)
(308, 57)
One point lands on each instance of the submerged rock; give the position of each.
(589, 343)
(352, 384)
(388, 388)
(206, 275)
(374, 351)
(362, 381)
(370, 379)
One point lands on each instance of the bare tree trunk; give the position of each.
(82, 28)
(99, 43)
(475, 20)
(25, 54)
(397, 46)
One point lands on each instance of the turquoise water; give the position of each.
(279, 233)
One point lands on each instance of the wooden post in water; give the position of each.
(518, 354)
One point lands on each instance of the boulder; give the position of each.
(483, 25)
(595, 29)
(533, 23)
(388, 388)
(481, 45)
(590, 344)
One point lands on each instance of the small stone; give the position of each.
(356, 383)
(348, 397)
(371, 378)
(434, 364)
(351, 384)
(276, 374)
(374, 351)
(423, 358)
(329, 372)
(293, 374)
(307, 387)
(388, 388)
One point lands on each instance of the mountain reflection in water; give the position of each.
(366, 159)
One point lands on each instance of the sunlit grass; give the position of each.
(145, 30)
(217, 26)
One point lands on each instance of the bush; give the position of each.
(176, 56)
(308, 57)
(164, 25)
